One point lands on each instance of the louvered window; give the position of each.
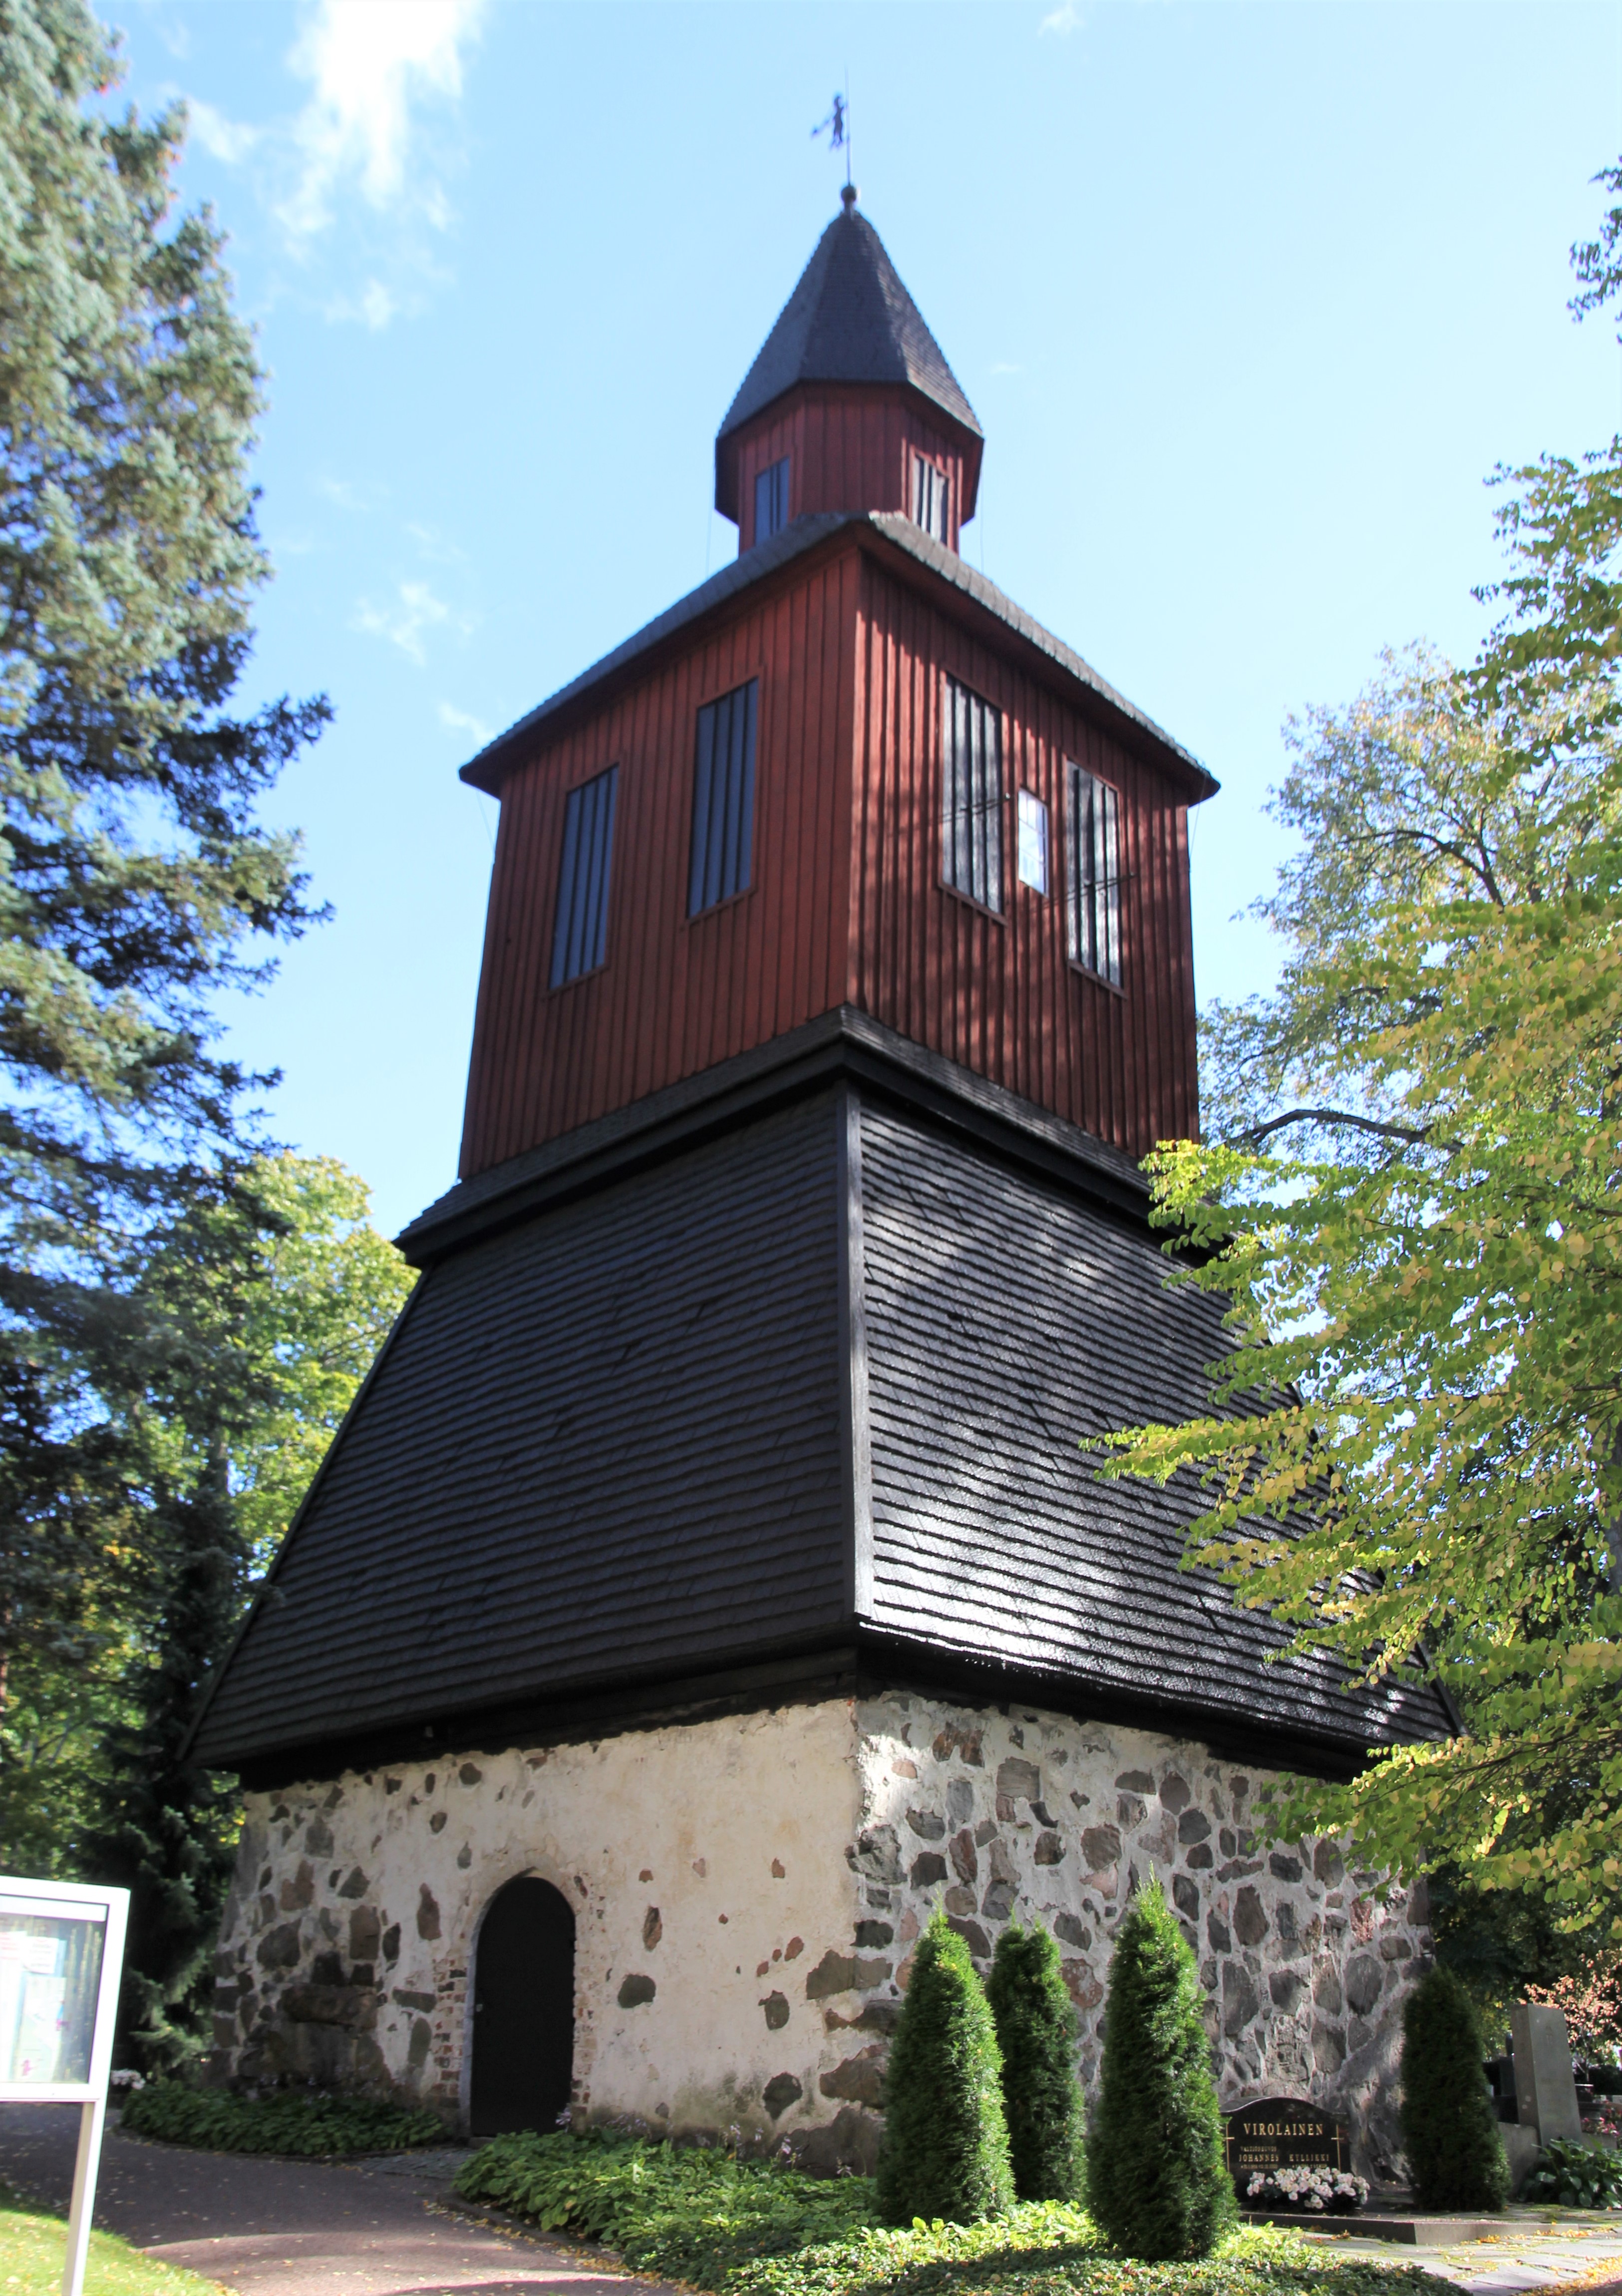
(772, 500)
(1094, 829)
(929, 487)
(971, 796)
(722, 799)
(579, 938)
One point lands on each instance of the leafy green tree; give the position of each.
(264, 1306)
(945, 2152)
(1450, 2128)
(1157, 2183)
(1036, 2026)
(1411, 1206)
(134, 876)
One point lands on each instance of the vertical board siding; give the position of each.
(675, 994)
(998, 993)
(846, 903)
(847, 450)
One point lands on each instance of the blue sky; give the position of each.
(1250, 300)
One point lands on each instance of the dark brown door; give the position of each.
(523, 2010)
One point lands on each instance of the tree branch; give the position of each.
(1419, 1136)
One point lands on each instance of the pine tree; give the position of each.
(1157, 2184)
(1037, 2033)
(1450, 2129)
(946, 2144)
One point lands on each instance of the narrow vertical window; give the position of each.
(929, 486)
(1093, 830)
(971, 796)
(579, 938)
(772, 500)
(1033, 841)
(722, 799)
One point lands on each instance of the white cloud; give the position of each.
(463, 721)
(1063, 19)
(1005, 366)
(406, 623)
(222, 139)
(371, 61)
(373, 306)
(341, 492)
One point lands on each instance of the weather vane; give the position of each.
(836, 127)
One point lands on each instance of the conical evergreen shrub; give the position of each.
(1036, 2034)
(946, 2145)
(1450, 2129)
(1157, 2184)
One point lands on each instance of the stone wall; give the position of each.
(1001, 1814)
(748, 1892)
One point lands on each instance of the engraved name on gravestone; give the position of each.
(1283, 2132)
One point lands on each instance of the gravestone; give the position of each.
(1546, 2086)
(1282, 2132)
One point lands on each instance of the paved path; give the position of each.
(299, 2228)
(1580, 2248)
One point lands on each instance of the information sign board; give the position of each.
(62, 1955)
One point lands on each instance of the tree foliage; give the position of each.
(1449, 2124)
(945, 2152)
(1158, 2185)
(1412, 1205)
(1036, 2026)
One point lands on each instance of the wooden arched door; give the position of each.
(523, 2010)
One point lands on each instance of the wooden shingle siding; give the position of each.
(604, 1442)
(1005, 1320)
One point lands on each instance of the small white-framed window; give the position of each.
(931, 487)
(1032, 841)
(1094, 834)
(772, 500)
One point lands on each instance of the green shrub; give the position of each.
(1576, 2176)
(1037, 2033)
(1450, 2129)
(1156, 2179)
(216, 2120)
(945, 2152)
(675, 2213)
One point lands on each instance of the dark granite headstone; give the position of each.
(1283, 2132)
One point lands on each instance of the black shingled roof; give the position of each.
(850, 320)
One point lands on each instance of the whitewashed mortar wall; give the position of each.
(769, 1873)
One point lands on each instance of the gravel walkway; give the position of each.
(302, 2228)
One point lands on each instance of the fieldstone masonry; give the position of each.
(748, 1893)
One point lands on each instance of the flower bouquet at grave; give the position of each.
(1322, 2192)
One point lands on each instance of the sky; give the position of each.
(1251, 301)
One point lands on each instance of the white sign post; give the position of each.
(62, 1955)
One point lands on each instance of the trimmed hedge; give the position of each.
(1157, 2182)
(945, 2149)
(1036, 2022)
(1450, 2128)
(216, 2120)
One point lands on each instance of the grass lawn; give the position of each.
(32, 2246)
(744, 2227)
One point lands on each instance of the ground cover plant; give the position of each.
(1450, 2127)
(33, 2243)
(945, 2152)
(216, 2121)
(1575, 2176)
(1157, 2183)
(1042, 2098)
(747, 2227)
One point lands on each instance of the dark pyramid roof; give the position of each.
(850, 320)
